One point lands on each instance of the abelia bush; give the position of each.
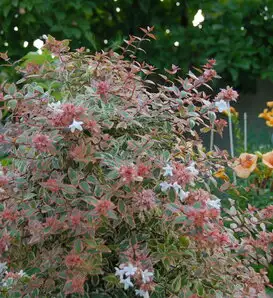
(109, 189)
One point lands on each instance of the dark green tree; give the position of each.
(238, 33)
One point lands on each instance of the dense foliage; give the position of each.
(237, 33)
(109, 189)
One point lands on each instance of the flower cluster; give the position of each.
(246, 163)
(227, 94)
(142, 278)
(267, 114)
(9, 279)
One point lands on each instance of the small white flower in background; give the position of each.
(192, 169)
(21, 273)
(165, 186)
(168, 170)
(127, 283)
(214, 204)
(147, 276)
(180, 192)
(176, 187)
(76, 125)
(130, 270)
(142, 293)
(119, 272)
(3, 267)
(55, 107)
(221, 105)
(183, 195)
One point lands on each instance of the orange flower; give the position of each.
(269, 122)
(265, 114)
(270, 104)
(221, 174)
(245, 165)
(232, 111)
(268, 159)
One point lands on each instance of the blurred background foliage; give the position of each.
(238, 33)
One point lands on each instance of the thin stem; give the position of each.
(231, 138)
(245, 131)
(211, 137)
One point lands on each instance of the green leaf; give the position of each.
(176, 284)
(184, 241)
(72, 175)
(100, 295)
(78, 246)
(12, 104)
(200, 290)
(180, 219)
(121, 206)
(91, 179)
(12, 89)
(111, 278)
(192, 123)
(212, 117)
(172, 194)
(98, 191)
(112, 175)
(69, 189)
(84, 186)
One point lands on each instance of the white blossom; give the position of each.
(146, 276)
(21, 273)
(76, 125)
(127, 283)
(130, 270)
(142, 293)
(55, 107)
(165, 186)
(221, 105)
(192, 169)
(119, 272)
(183, 195)
(168, 170)
(3, 267)
(214, 204)
(176, 187)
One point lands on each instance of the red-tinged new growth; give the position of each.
(73, 260)
(227, 94)
(42, 143)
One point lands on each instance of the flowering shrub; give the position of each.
(108, 193)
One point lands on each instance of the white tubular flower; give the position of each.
(147, 276)
(165, 186)
(76, 125)
(183, 195)
(168, 170)
(221, 105)
(55, 107)
(119, 272)
(3, 267)
(192, 169)
(127, 283)
(176, 187)
(130, 270)
(21, 273)
(216, 204)
(142, 293)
